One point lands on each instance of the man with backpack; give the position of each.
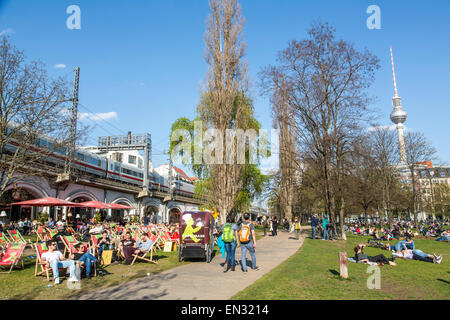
(229, 236)
(247, 240)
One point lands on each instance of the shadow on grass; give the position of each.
(334, 272)
(444, 281)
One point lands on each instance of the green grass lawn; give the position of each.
(22, 284)
(313, 273)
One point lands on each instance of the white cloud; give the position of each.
(59, 66)
(389, 127)
(97, 116)
(6, 32)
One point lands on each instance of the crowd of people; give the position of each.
(125, 242)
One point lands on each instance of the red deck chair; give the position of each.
(69, 243)
(4, 240)
(12, 256)
(41, 248)
(17, 237)
(145, 255)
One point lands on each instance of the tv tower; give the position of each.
(398, 116)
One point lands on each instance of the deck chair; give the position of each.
(70, 229)
(93, 243)
(12, 256)
(41, 248)
(4, 240)
(145, 256)
(17, 237)
(69, 243)
(40, 232)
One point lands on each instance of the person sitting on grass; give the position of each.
(417, 254)
(84, 257)
(380, 259)
(405, 244)
(56, 260)
(445, 236)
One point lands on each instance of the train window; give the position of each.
(131, 159)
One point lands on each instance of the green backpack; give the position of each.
(227, 235)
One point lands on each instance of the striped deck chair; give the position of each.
(146, 254)
(12, 256)
(41, 248)
(15, 236)
(4, 240)
(40, 232)
(52, 232)
(69, 243)
(70, 229)
(93, 243)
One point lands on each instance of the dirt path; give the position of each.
(205, 281)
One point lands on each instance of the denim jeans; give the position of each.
(55, 265)
(244, 248)
(399, 246)
(230, 249)
(297, 234)
(325, 234)
(313, 231)
(422, 256)
(88, 258)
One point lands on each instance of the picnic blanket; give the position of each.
(369, 263)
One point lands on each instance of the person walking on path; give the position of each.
(265, 225)
(247, 240)
(324, 226)
(274, 226)
(229, 236)
(297, 228)
(314, 223)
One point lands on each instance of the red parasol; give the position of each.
(120, 206)
(96, 205)
(46, 202)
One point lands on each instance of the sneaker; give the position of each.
(56, 281)
(73, 279)
(225, 267)
(438, 261)
(244, 271)
(256, 269)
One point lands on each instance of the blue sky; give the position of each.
(142, 62)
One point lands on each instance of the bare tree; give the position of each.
(32, 108)
(284, 119)
(418, 149)
(326, 81)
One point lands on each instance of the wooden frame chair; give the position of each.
(145, 255)
(4, 240)
(12, 256)
(17, 237)
(69, 243)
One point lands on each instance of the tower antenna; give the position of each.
(393, 73)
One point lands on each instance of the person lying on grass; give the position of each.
(380, 259)
(417, 254)
(445, 236)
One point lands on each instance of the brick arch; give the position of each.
(81, 193)
(32, 188)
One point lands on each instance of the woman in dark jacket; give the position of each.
(380, 259)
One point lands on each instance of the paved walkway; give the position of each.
(205, 281)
